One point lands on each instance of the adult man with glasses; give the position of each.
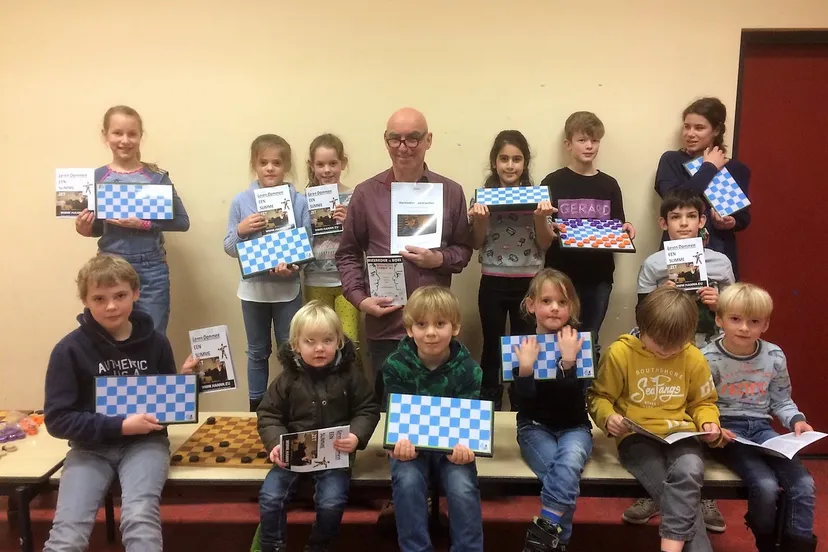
(368, 232)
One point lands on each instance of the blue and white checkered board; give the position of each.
(172, 398)
(262, 254)
(439, 423)
(583, 233)
(517, 197)
(547, 365)
(144, 201)
(723, 193)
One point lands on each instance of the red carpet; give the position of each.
(223, 520)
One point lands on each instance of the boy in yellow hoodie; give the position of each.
(660, 381)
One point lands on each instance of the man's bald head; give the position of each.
(407, 139)
(407, 119)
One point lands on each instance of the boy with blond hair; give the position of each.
(430, 361)
(579, 190)
(753, 385)
(660, 381)
(113, 340)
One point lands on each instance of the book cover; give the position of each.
(386, 278)
(416, 215)
(74, 192)
(322, 200)
(685, 263)
(211, 346)
(275, 205)
(310, 451)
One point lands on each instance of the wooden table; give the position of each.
(25, 473)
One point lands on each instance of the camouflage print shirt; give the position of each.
(459, 376)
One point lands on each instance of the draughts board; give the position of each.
(172, 399)
(592, 234)
(144, 201)
(546, 367)
(513, 198)
(242, 440)
(723, 193)
(266, 252)
(439, 423)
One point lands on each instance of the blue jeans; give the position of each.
(257, 323)
(330, 498)
(409, 483)
(141, 468)
(764, 475)
(154, 298)
(557, 458)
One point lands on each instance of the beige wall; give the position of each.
(209, 76)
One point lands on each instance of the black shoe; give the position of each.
(799, 544)
(280, 547)
(387, 519)
(542, 536)
(254, 404)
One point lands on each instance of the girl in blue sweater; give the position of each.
(140, 242)
(273, 298)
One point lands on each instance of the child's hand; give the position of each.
(84, 222)
(348, 444)
(616, 426)
(284, 270)
(629, 229)
(251, 224)
(478, 211)
(133, 223)
(728, 435)
(801, 427)
(714, 430)
(340, 213)
(709, 296)
(545, 209)
(527, 354)
(403, 451)
(276, 456)
(139, 424)
(569, 343)
(190, 364)
(461, 454)
(669, 283)
(716, 156)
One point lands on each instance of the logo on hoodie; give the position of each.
(656, 390)
(123, 367)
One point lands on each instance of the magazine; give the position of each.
(386, 278)
(685, 263)
(322, 200)
(74, 192)
(276, 206)
(215, 367)
(416, 215)
(310, 451)
(787, 445)
(669, 439)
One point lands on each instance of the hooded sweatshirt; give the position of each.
(458, 377)
(91, 351)
(662, 395)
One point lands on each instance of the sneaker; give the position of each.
(542, 536)
(641, 511)
(713, 519)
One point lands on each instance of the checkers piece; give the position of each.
(594, 234)
(144, 201)
(439, 423)
(518, 198)
(262, 254)
(171, 398)
(224, 444)
(723, 193)
(211, 420)
(177, 458)
(193, 458)
(546, 367)
(246, 460)
(209, 448)
(261, 454)
(221, 459)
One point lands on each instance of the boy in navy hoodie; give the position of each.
(112, 340)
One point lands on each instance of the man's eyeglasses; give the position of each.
(411, 141)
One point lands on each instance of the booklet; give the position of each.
(416, 215)
(322, 200)
(74, 191)
(276, 206)
(785, 446)
(215, 368)
(386, 278)
(670, 439)
(685, 263)
(310, 451)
